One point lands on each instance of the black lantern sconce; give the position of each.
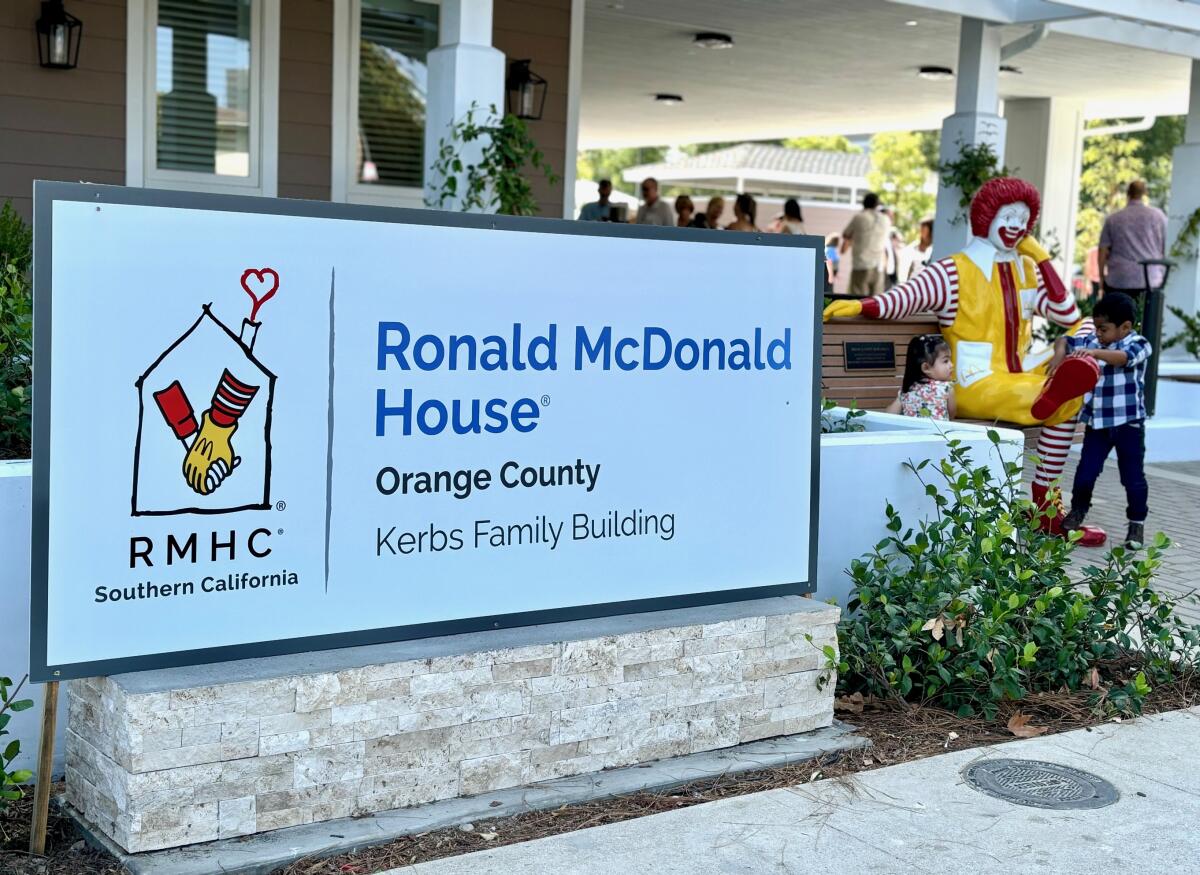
(59, 33)
(525, 91)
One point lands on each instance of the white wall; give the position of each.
(861, 472)
(1044, 145)
(16, 511)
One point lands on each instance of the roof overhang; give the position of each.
(1171, 26)
(850, 66)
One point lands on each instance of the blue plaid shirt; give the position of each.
(1119, 396)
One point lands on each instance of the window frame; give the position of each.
(344, 187)
(141, 136)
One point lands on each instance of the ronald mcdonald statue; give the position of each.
(985, 298)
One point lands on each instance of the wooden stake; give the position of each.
(41, 793)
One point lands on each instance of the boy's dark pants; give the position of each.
(1129, 440)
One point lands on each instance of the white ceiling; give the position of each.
(825, 66)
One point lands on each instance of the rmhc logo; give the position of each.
(226, 454)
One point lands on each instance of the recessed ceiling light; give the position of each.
(912, 22)
(936, 74)
(669, 99)
(711, 40)
(1009, 68)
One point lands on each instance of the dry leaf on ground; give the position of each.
(852, 703)
(1018, 725)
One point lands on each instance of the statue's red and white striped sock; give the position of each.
(1054, 442)
(231, 399)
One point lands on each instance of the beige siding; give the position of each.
(61, 124)
(305, 98)
(70, 125)
(540, 30)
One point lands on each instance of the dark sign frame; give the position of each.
(47, 193)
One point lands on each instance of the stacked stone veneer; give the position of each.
(160, 769)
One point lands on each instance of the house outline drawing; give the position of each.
(146, 384)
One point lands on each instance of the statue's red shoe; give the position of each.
(1052, 523)
(1074, 378)
(1093, 536)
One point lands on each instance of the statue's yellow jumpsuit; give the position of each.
(990, 335)
(985, 302)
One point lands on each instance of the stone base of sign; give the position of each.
(270, 852)
(168, 758)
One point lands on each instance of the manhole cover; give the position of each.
(1040, 784)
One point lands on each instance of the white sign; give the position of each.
(264, 433)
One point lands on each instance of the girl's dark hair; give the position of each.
(748, 207)
(922, 350)
(791, 209)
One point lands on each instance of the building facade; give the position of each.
(318, 99)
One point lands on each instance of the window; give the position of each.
(207, 109)
(381, 158)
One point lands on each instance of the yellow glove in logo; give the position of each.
(842, 310)
(210, 459)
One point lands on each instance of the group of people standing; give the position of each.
(879, 257)
(656, 211)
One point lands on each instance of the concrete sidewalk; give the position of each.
(914, 817)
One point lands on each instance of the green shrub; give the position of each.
(16, 238)
(975, 607)
(833, 423)
(1189, 336)
(10, 782)
(496, 182)
(16, 361)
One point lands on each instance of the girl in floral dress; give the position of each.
(928, 388)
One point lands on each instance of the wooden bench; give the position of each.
(872, 389)
(875, 389)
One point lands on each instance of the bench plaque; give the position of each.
(870, 355)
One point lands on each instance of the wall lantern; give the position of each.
(525, 91)
(59, 33)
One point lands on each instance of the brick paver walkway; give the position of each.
(1174, 509)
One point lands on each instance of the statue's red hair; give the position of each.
(996, 193)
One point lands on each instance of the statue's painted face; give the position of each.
(1009, 225)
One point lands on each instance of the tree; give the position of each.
(1156, 151)
(600, 164)
(705, 148)
(900, 173)
(830, 143)
(1110, 163)
(391, 117)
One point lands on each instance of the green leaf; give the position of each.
(20, 777)
(22, 705)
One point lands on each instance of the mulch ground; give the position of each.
(897, 733)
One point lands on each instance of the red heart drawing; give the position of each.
(263, 276)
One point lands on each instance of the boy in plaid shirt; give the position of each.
(1114, 412)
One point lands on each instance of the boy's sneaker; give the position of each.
(1073, 521)
(1135, 538)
